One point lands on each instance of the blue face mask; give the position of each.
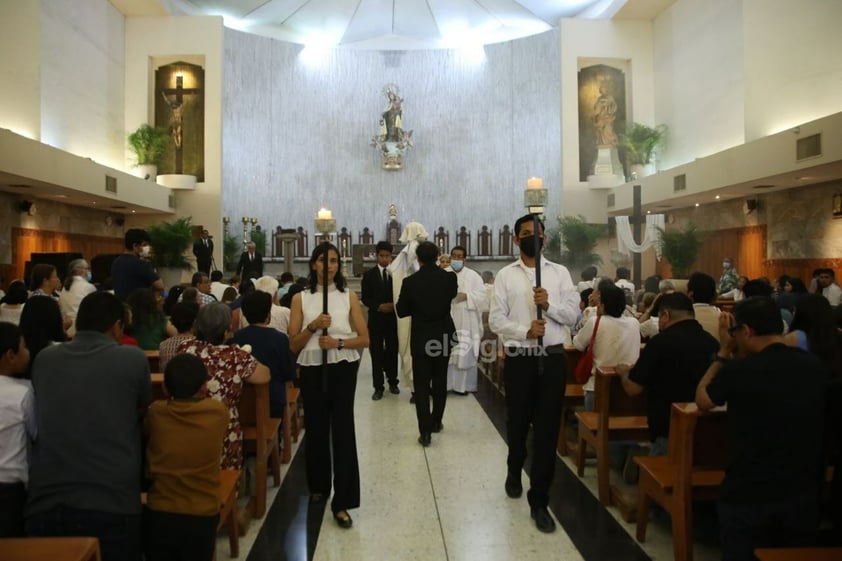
(456, 265)
(88, 276)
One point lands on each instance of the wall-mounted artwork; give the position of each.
(602, 113)
(180, 109)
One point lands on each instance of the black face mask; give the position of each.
(527, 245)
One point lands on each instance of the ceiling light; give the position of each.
(697, 204)
(716, 197)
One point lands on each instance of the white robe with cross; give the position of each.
(467, 317)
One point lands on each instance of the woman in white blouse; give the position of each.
(328, 389)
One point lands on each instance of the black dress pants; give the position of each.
(384, 351)
(536, 399)
(12, 502)
(329, 418)
(169, 536)
(429, 379)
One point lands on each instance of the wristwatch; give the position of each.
(341, 344)
(311, 329)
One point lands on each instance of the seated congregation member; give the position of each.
(670, 365)
(77, 285)
(589, 279)
(827, 287)
(286, 280)
(85, 465)
(183, 319)
(41, 326)
(17, 429)
(269, 346)
(229, 295)
(185, 435)
(201, 282)
(12, 304)
(622, 281)
(217, 287)
(617, 338)
(149, 324)
(736, 294)
(130, 270)
(229, 367)
(701, 288)
(775, 396)
(44, 281)
(279, 315)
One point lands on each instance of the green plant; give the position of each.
(170, 241)
(149, 144)
(231, 249)
(259, 239)
(681, 248)
(573, 242)
(640, 142)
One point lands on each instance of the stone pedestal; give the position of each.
(289, 249)
(608, 172)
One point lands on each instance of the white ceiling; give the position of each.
(396, 24)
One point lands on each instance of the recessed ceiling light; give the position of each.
(648, 212)
(133, 211)
(93, 203)
(697, 204)
(717, 197)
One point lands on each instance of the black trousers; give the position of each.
(169, 536)
(329, 418)
(119, 534)
(12, 501)
(383, 347)
(536, 399)
(429, 379)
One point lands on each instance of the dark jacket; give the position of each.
(426, 296)
(374, 293)
(247, 269)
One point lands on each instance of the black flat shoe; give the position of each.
(394, 390)
(437, 427)
(543, 521)
(514, 489)
(425, 439)
(377, 395)
(412, 398)
(343, 519)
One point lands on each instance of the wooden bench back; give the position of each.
(611, 400)
(697, 440)
(254, 406)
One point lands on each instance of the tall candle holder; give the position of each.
(345, 257)
(325, 223)
(535, 199)
(245, 232)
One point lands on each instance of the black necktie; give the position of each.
(385, 278)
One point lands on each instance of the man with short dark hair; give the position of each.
(202, 284)
(203, 250)
(775, 398)
(534, 394)
(827, 287)
(86, 464)
(701, 288)
(217, 287)
(670, 365)
(130, 270)
(382, 324)
(425, 296)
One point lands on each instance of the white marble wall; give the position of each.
(296, 137)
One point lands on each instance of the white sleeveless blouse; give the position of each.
(339, 307)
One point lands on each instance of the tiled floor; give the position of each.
(445, 502)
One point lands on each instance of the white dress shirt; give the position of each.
(17, 428)
(617, 342)
(513, 307)
(833, 294)
(70, 299)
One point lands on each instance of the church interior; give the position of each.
(278, 113)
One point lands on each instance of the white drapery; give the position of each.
(651, 237)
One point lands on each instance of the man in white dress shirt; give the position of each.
(827, 286)
(535, 377)
(77, 285)
(466, 311)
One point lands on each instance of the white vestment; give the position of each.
(402, 266)
(467, 317)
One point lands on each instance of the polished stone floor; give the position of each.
(445, 502)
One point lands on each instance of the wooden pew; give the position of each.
(616, 416)
(49, 549)
(260, 437)
(693, 468)
(154, 358)
(799, 554)
(574, 395)
(292, 421)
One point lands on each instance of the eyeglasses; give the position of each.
(733, 330)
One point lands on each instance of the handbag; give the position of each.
(585, 364)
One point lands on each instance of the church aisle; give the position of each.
(441, 503)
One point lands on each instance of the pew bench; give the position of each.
(693, 468)
(154, 358)
(799, 554)
(49, 549)
(260, 437)
(616, 416)
(574, 395)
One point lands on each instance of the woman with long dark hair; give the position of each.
(328, 389)
(42, 325)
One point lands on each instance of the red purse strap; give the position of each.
(589, 351)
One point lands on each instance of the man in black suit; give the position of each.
(251, 263)
(203, 250)
(426, 296)
(382, 323)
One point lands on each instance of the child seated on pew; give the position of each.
(185, 435)
(17, 427)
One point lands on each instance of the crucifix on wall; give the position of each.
(179, 108)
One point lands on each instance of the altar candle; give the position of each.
(324, 214)
(534, 183)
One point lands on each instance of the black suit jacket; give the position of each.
(374, 293)
(426, 296)
(203, 254)
(247, 268)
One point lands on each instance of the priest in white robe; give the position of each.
(466, 310)
(402, 266)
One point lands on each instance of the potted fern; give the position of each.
(681, 248)
(573, 242)
(148, 144)
(640, 142)
(170, 242)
